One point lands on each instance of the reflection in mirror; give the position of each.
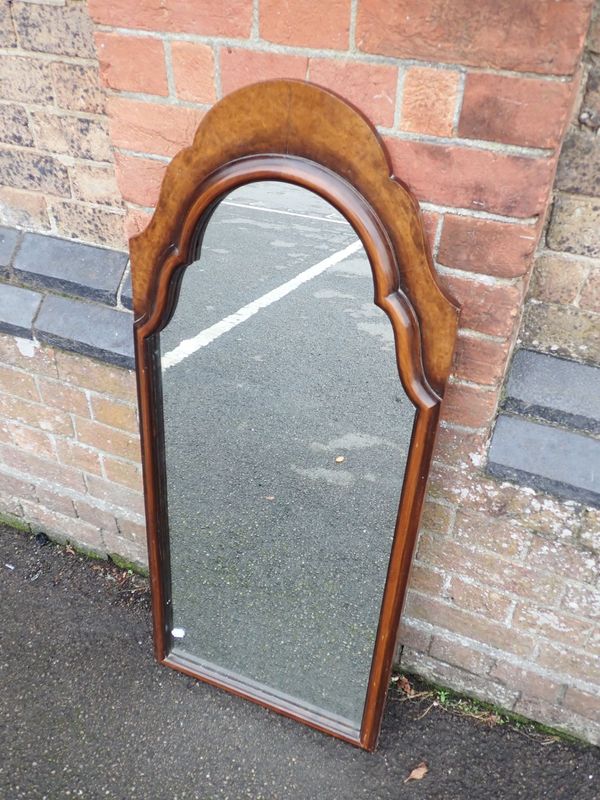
(286, 437)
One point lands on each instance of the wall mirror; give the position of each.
(292, 351)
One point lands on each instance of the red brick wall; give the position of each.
(472, 99)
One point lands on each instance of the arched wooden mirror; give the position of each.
(287, 419)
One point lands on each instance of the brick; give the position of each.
(64, 397)
(115, 495)
(40, 468)
(306, 23)
(242, 67)
(436, 518)
(557, 279)
(463, 177)
(65, 529)
(590, 293)
(593, 41)
(95, 184)
(423, 579)
(460, 655)
(90, 223)
(17, 383)
(558, 717)
(194, 71)
(123, 472)
(522, 111)
(36, 415)
(527, 36)
(18, 308)
(484, 308)
(139, 178)
(468, 406)
(53, 501)
(584, 703)
(136, 220)
(120, 58)
(470, 625)
(429, 100)
(75, 136)
(479, 600)
(70, 267)
(505, 536)
(131, 551)
(113, 413)
(579, 164)
(150, 128)
(26, 79)
(23, 208)
(65, 30)
(562, 559)
(559, 658)
(489, 569)
(409, 635)
(209, 18)
(480, 360)
(29, 356)
(26, 170)
(107, 439)
(563, 330)
(7, 31)
(551, 624)
(75, 455)
(457, 446)
(89, 374)
(15, 486)
(77, 87)
(88, 512)
(484, 246)
(370, 87)
(31, 440)
(430, 225)
(132, 530)
(575, 225)
(14, 126)
(531, 684)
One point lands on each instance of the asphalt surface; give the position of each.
(86, 712)
(279, 552)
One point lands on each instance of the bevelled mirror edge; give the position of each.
(387, 219)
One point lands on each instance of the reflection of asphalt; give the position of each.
(279, 553)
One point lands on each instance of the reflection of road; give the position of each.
(279, 553)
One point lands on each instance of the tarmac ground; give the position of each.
(85, 711)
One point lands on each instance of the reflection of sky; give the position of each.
(279, 553)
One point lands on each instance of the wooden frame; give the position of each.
(299, 133)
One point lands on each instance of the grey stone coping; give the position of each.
(554, 389)
(18, 308)
(126, 291)
(8, 244)
(71, 267)
(87, 328)
(551, 459)
(87, 320)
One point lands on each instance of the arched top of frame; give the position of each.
(298, 119)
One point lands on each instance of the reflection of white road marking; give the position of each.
(287, 213)
(188, 346)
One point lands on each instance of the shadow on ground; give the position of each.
(86, 712)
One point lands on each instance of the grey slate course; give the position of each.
(8, 243)
(554, 389)
(61, 265)
(18, 308)
(126, 292)
(87, 328)
(547, 458)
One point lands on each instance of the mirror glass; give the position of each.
(286, 437)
